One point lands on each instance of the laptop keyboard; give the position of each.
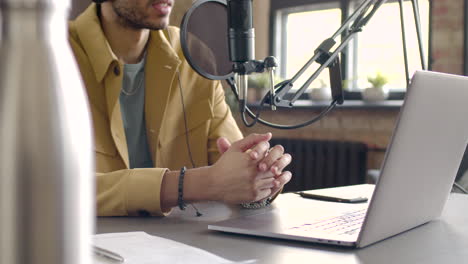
(346, 224)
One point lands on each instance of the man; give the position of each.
(153, 115)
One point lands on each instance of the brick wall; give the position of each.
(371, 126)
(447, 36)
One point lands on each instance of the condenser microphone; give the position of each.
(241, 39)
(241, 32)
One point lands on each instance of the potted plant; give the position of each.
(260, 85)
(378, 91)
(320, 93)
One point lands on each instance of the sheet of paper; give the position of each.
(142, 248)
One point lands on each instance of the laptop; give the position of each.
(416, 177)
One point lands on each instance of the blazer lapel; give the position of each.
(160, 72)
(113, 86)
(107, 70)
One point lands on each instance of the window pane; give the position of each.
(380, 48)
(304, 33)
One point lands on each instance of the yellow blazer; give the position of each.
(124, 191)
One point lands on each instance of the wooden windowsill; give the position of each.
(348, 104)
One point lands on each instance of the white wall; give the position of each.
(78, 6)
(261, 23)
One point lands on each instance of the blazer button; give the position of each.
(116, 70)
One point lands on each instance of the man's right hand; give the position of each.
(235, 176)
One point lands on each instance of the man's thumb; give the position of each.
(223, 144)
(250, 141)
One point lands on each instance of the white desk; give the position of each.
(444, 240)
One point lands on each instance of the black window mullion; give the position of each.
(344, 5)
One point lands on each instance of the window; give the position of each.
(300, 37)
(301, 25)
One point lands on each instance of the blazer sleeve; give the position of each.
(130, 192)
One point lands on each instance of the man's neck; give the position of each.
(127, 44)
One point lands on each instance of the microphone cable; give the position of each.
(273, 125)
(187, 140)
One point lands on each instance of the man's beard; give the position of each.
(129, 17)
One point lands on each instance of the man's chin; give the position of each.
(159, 25)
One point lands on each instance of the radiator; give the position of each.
(322, 163)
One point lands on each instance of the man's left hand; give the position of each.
(271, 165)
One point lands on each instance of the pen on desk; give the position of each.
(108, 254)
(332, 198)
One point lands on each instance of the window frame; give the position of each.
(282, 16)
(466, 38)
(277, 6)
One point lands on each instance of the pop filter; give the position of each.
(203, 36)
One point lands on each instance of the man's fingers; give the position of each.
(284, 178)
(259, 150)
(280, 181)
(266, 174)
(275, 153)
(223, 144)
(263, 194)
(250, 141)
(266, 183)
(279, 165)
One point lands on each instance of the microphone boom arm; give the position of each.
(325, 57)
(322, 55)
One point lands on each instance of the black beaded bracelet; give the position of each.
(180, 197)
